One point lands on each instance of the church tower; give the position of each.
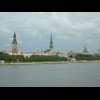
(51, 44)
(85, 50)
(14, 45)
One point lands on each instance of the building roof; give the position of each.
(14, 39)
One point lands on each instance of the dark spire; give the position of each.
(85, 49)
(51, 42)
(14, 45)
(14, 39)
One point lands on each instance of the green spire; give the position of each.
(51, 42)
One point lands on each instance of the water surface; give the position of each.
(50, 75)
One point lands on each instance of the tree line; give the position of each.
(34, 58)
(41, 58)
(88, 57)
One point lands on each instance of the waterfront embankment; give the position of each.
(64, 62)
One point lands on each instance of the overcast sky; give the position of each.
(71, 30)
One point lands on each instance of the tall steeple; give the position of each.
(14, 45)
(51, 43)
(85, 49)
(14, 39)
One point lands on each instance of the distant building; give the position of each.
(50, 50)
(26, 54)
(60, 54)
(1, 61)
(14, 45)
(71, 54)
(51, 44)
(73, 59)
(85, 51)
(4, 51)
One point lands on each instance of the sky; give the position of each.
(70, 30)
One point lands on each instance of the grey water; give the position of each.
(50, 75)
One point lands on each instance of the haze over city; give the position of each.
(70, 30)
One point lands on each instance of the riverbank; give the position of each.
(26, 63)
(64, 62)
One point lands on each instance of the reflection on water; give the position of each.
(51, 75)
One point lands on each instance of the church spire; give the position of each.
(85, 49)
(51, 42)
(14, 36)
(14, 39)
(14, 45)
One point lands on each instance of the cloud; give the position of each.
(34, 28)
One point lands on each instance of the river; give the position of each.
(51, 75)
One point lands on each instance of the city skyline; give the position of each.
(71, 30)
